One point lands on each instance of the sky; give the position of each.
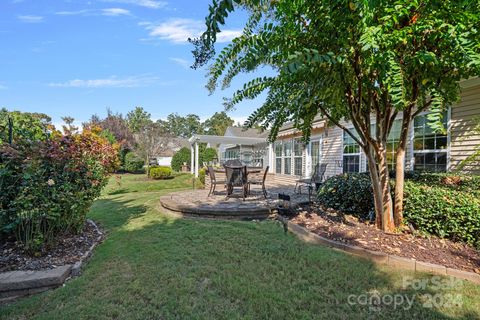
(77, 58)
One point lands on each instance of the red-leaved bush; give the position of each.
(48, 186)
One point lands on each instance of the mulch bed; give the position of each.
(347, 229)
(68, 249)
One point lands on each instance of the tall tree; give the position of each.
(23, 126)
(363, 61)
(183, 127)
(138, 119)
(152, 140)
(218, 123)
(117, 125)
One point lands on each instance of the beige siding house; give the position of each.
(426, 150)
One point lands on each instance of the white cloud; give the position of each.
(152, 4)
(73, 13)
(182, 62)
(179, 30)
(30, 19)
(113, 12)
(111, 82)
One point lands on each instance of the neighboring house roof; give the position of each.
(245, 133)
(174, 145)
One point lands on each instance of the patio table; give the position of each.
(250, 170)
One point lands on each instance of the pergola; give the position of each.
(215, 140)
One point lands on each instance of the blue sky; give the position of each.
(76, 58)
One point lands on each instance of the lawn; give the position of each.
(155, 266)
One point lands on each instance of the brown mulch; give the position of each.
(68, 249)
(347, 229)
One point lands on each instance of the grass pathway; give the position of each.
(152, 266)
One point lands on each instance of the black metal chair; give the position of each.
(213, 181)
(236, 177)
(259, 182)
(314, 181)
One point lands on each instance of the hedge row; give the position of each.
(441, 204)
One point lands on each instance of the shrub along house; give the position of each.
(290, 159)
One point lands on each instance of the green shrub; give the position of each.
(201, 175)
(181, 156)
(48, 187)
(349, 193)
(441, 204)
(133, 163)
(446, 206)
(159, 173)
(208, 155)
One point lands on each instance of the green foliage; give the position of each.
(181, 156)
(159, 173)
(444, 205)
(201, 175)
(342, 56)
(133, 163)
(349, 193)
(180, 126)
(49, 186)
(208, 155)
(137, 119)
(217, 124)
(25, 126)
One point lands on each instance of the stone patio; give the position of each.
(255, 206)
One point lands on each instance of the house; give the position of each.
(289, 158)
(165, 158)
(426, 150)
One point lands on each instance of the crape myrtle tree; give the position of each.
(362, 61)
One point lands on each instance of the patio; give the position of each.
(255, 206)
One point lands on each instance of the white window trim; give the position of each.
(447, 150)
(351, 154)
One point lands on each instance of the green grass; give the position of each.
(153, 266)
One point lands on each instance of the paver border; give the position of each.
(36, 281)
(377, 257)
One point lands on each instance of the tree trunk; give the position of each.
(399, 185)
(381, 189)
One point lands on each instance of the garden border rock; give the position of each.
(379, 258)
(18, 284)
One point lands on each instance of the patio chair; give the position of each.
(213, 181)
(259, 182)
(314, 181)
(236, 177)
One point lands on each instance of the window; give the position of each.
(429, 147)
(287, 157)
(278, 157)
(351, 154)
(392, 143)
(231, 154)
(298, 147)
(315, 154)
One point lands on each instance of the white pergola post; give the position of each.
(192, 159)
(196, 159)
(271, 158)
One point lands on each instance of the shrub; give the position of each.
(349, 193)
(208, 155)
(181, 156)
(444, 205)
(133, 163)
(160, 173)
(48, 187)
(201, 175)
(441, 204)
